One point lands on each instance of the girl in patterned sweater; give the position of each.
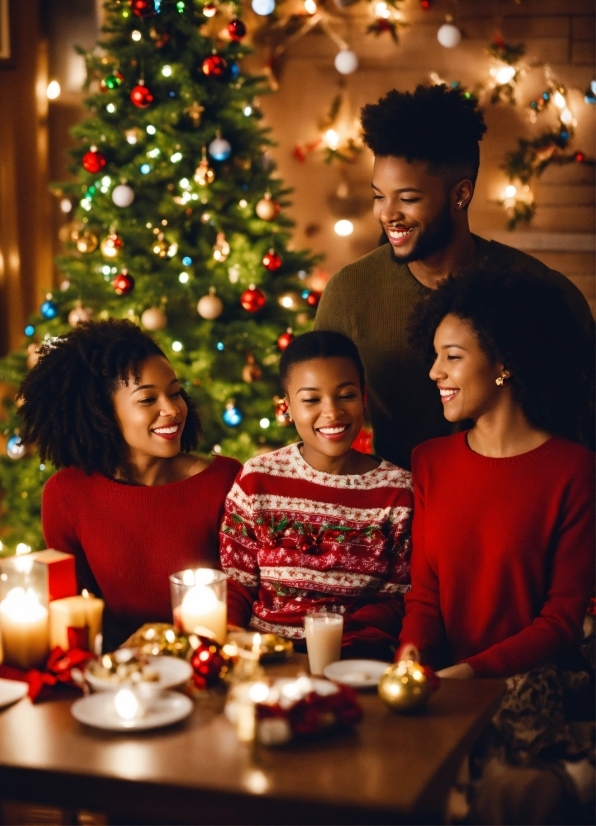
(317, 525)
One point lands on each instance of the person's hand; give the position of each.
(461, 671)
(407, 652)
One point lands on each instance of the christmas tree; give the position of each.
(177, 224)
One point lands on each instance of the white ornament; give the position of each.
(210, 306)
(346, 62)
(79, 314)
(123, 195)
(449, 35)
(220, 149)
(154, 318)
(15, 449)
(263, 7)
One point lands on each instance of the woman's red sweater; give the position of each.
(128, 539)
(503, 555)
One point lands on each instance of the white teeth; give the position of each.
(167, 430)
(399, 233)
(330, 431)
(448, 392)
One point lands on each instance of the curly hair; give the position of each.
(318, 344)
(435, 124)
(66, 399)
(524, 323)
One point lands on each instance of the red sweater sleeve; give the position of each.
(238, 548)
(422, 625)
(60, 532)
(558, 625)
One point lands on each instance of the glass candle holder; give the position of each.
(23, 613)
(199, 602)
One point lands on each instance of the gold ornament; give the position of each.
(210, 306)
(157, 638)
(204, 175)
(159, 246)
(243, 162)
(404, 686)
(79, 314)
(221, 248)
(110, 245)
(251, 371)
(86, 242)
(70, 231)
(267, 208)
(194, 112)
(282, 415)
(132, 135)
(154, 318)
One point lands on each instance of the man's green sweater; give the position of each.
(371, 300)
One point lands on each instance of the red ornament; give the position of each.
(271, 260)
(209, 663)
(141, 96)
(313, 298)
(253, 299)
(214, 66)
(425, 4)
(285, 339)
(123, 284)
(236, 29)
(142, 8)
(94, 161)
(579, 157)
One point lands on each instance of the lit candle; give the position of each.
(202, 609)
(83, 613)
(24, 628)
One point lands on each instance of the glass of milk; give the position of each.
(323, 634)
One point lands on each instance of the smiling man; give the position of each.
(426, 148)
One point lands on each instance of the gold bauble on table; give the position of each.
(405, 687)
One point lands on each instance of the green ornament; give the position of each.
(114, 81)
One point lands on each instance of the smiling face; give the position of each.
(414, 207)
(465, 375)
(325, 401)
(151, 414)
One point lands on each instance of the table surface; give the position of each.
(388, 768)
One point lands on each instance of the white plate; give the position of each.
(163, 709)
(356, 673)
(172, 671)
(11, 691)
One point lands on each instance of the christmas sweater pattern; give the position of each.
(296, 540)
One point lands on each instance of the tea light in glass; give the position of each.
(199, 602)
(23, 614)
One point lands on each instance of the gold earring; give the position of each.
(500, 381)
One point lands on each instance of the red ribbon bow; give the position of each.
(57, 671)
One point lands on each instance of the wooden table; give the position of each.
(388, 769)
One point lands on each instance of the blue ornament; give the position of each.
(172, 94)
(234, 71)
(145, 168)
(231, 415)
(187, 261)
(29, 330)
(15, 448)
(49, 309)
(546, 95)
(220, 149)
(590, 96)
(220, 346)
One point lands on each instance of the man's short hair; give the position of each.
(435, 124)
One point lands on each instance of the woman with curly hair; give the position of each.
(130, 500)
(503, 534)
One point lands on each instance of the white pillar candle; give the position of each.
(84, 611)
(201, 608)
(323, 640)
(24, 629)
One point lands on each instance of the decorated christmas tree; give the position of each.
(177, 223)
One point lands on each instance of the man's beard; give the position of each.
(433, 239)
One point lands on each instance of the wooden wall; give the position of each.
(557, 32)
